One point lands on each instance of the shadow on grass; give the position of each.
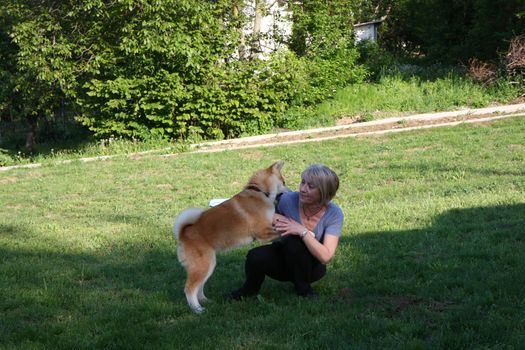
(462, 242)
(52, 137)
(463, 275)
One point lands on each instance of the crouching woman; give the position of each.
(310, 226)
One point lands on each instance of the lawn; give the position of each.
(432, 254)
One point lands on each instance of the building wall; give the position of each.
(365, 32)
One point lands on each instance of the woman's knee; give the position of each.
(294, 246)
(258, 256)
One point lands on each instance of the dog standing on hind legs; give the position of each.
(245, 217)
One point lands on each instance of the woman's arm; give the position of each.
(324, 252)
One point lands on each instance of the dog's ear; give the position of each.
(277, 166)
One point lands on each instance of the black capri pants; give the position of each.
(287, 259)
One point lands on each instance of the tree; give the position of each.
(45, 63)
(166, 68)
(454, 31)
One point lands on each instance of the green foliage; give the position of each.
(399, 91)
(241, 97)
(45, 72)
(142, 69)
(323, 40)
(160, 65)
(375, 58)
(128, 106)
(5, 158)
(136, 69)
(454, 30)
(212, 95)
(407, 90)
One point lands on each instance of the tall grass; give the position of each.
(398, 94)
(431, 255)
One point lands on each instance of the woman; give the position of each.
(310, 227)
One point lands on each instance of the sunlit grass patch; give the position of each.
(431, 254)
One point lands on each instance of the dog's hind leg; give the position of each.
(199, 270)
(200, 295)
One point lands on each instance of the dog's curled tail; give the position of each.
(186, 217)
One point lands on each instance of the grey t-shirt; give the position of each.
(330, 223)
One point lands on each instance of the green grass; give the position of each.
(431, 255)
(396, 95)
(85, 147)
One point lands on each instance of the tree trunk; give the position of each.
(256, 44)
(31, 135)
(242, 45)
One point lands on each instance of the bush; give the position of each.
(233, 99)
(211, 95)
(515, 60)
(142, 69)
(376, 59)
(5, 158)
(236, 98)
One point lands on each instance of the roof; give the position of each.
(374, 22)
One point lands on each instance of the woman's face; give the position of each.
(308, 193)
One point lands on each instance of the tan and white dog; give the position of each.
(245, 217)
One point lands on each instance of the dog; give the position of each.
(240, 220)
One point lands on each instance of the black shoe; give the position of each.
(238, 294)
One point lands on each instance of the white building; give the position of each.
(367, 31)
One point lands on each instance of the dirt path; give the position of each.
(376, 127)
(399, 124)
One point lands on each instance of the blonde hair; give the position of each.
(323, 178)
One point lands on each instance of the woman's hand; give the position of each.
(286, 226)
(322, 251)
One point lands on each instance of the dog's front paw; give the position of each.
(268, 235)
